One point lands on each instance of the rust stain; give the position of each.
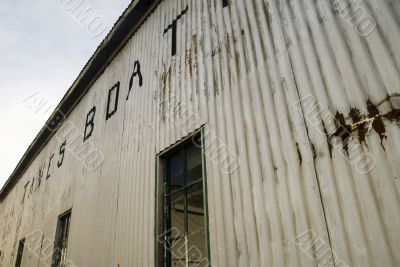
(357, 119)
(227, 45)
(330, 147)
(393, 115)
(216, 89)
(194, 41)
(342, 130)
(377, 123)
(165, 81)
(363, 123)
(237, 58)
(314, 152)
(189, 62)
(299, 153)
(215, 51)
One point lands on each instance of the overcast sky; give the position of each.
(43, 47)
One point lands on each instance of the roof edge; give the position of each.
(123, 29)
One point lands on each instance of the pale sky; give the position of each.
(43, 47)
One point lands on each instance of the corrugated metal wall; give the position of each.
(307, 103)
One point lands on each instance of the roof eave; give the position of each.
(123, 29)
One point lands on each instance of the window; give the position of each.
(20, 253)
(61, 240)
(184, 220)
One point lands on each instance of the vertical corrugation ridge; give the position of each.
(218, 122)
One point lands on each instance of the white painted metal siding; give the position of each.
(247, 72)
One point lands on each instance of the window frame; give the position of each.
(20, 252)
(161, 188)
(57, 240)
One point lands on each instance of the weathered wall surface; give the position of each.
(305, 97)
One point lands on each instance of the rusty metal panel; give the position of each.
(299, 104)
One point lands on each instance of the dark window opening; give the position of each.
(20, 253)
(61, 240)
(185, 231)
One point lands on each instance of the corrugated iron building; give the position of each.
(223, 133)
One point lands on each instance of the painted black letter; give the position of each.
(25, 186)
(40, 176)
(110, 113)
(173, 27)
(62, 153)
(136, 72)
(89, 122)
(48, 167)
(57, 119)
